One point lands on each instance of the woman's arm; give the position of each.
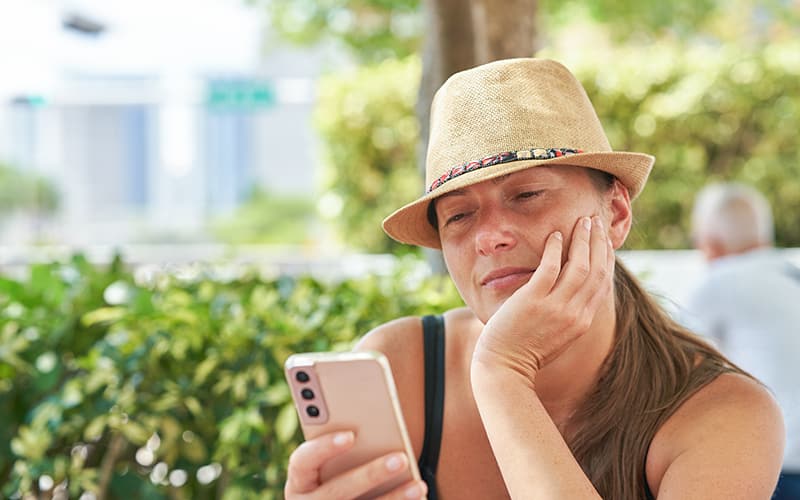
(533, 457)
(532, 327)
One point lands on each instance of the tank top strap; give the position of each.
(433, 342)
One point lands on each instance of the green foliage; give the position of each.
(24, 191)
(631, 18)
(706, 112)
(372, 30)
(140, 390)
(267, 219)
(369, 131)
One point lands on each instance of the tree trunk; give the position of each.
(461, 34)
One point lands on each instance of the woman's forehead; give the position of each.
(541, 174)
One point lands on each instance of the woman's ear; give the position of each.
(619, 209)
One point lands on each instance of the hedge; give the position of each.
(172, 386)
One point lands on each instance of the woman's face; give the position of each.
(493, 232)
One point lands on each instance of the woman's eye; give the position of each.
(527, 194)
(454, 218)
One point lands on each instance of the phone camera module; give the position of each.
(302, 377)
(312, 411)
(307, 394)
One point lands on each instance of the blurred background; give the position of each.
(151, 122)
(192, 190)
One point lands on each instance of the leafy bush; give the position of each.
(369, 130)
(174, 387)
(706, 112)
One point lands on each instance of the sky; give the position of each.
(143, 37)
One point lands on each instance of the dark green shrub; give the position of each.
(141, 390)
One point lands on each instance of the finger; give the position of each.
(412, 489)
(611, 266)
(358, 481)
(306, 461)
(601, 275)
(577, 267)
(598, 262)
(546, 274)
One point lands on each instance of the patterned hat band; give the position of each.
(509, 156)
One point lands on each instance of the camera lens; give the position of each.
(302, 377)
(307, 394)
(312, 411)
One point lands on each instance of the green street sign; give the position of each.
(240, 95)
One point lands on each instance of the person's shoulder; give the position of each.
(730, 394)
(402, 337)
(391, 331)
(461, 316)
(727, 437)
(400, 340)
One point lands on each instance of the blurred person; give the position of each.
(562, 378)
(749, 302)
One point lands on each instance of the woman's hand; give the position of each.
(303, 480)
(555, 307)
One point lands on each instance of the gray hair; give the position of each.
(735, 215)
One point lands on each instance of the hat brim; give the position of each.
(410, 225)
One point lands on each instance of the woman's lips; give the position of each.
(506, 277)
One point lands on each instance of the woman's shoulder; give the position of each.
(401, 338)
(392, 334)
(730, 431)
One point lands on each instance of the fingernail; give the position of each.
(587, 223)
(413, 492)
(557, 235)
(343, 438)
(395, 462)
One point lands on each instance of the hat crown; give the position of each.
(509, 105)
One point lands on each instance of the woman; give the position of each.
(562, 378)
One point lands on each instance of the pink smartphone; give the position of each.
(351, 391)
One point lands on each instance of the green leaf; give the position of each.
(31, 444)
(204, 369)
(103, 315)
(96, 427)
(278, 394)
(135, 432)
(286, 424)
(194, 406)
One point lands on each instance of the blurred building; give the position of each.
(150, 119)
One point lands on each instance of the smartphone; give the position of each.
(351, 391)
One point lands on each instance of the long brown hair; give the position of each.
(654, 366)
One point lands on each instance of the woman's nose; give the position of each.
(493, 235)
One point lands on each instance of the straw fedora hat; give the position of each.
(506, 116)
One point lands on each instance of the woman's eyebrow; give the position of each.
(455, 192)
(498, 180)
